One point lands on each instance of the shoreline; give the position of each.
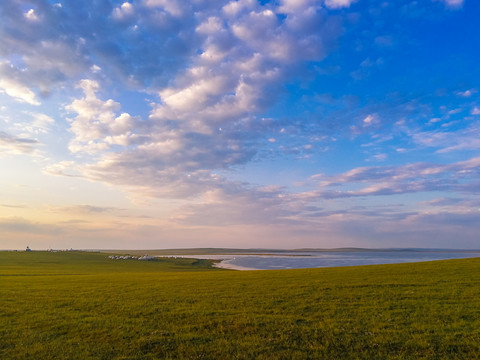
(223, 261)
(290, 261)
(224, 264)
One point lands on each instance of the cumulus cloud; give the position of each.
(36, 56)
(161, 155)
(96, 126)
(50, 45)
(31, 15)
(124, 11)
(145, 43)
(109, 38)
(208, 113)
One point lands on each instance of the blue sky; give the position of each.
(286, 124)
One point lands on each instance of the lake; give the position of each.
(317, 259)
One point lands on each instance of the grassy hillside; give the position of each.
(82, 263)
(85, 306)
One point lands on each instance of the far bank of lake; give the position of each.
(317, 259)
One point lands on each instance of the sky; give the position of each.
(151, 124)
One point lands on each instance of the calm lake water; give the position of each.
(301, 260)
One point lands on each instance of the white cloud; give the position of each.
(335, 4)
(234, 8)
(197, 94)
(96, 125)
(370, 120)
(158, 157)
(466, 93)
(123, 12)
(240, 30)
(31, 15)
(17, 90)
(211, 26)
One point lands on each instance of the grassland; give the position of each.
(85, 306)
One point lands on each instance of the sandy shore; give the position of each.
(224, 264)
(224, 261)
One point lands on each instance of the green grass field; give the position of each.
(75, 305)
